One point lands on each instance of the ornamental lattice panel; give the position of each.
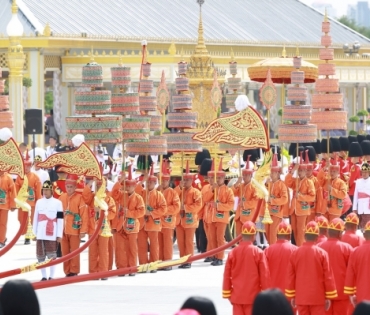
(4, 61)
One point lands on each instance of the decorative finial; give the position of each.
(47, 30)
(326, 15)
(120, 62)
(201, 48)
(200, 2)
(283, 54)
(232, 55)
(297, 51)
(92, 54)
(14, 7)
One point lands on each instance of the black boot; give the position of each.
(27, 241)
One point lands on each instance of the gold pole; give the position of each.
(214, 176)
(268, 123)
(182, 179)
(161, 156)
(240, 167)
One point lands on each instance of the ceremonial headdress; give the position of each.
(365, 146)
(312, 228)
(200, 156)
(249, 228)
(352, 139)
(27, 161)
(355, 150)
(365, 167)
(47, 185)
(71, 179)
(302, 165)
(336, 144)
(344, 143)
(275, 164)
(367, 226)
(253, 153)
(322, 222)
(151, 174)
(324, 146)
(317, 146)
(220, 172)
(80, 184)
(310, 156)
(187, 174)
(336, 224)
(211, 172)
(352, 218)
(77, 140)
(361, 138)
(129, 180)
(247, 169)
(205, 167)
(166, 170)
(334, 165)
(38, 158)
(284, 228)
(293, 149)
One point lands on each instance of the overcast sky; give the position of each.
(339, 5)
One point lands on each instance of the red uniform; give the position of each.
(310, 279)
(358, 273)
(246, 274)
(339, 253)
(278, 257)
(352, 239)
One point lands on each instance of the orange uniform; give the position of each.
(76, 222)
(246, 274)
(310, 279)
(150, 225)
(304, 195)
(317, 204)
(7, 195)
(278, 257)
(98, 249)
(34, 192)
(339, 253)
(247, 206)
(205, 213)
(278, 207)
(220, 218)
(165, 236)
(185, 229)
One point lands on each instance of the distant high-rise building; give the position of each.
(320, 6)
(363, 14)
(352, 13)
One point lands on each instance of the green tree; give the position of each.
(352, 24)
(49, 101)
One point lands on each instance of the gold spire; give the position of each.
(120, 61)
(14, 7)
(232, 55)
(92, 54)
(326, 15)
(201, 48)
(283, 54)
(297, 51)
(47, 30)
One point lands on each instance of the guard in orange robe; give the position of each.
(221, 209)
(339, 253)
(247, 195)
(150, 224)
(310, 282)
(126, 224)
(278, 256)
(304, 195)
(165, 236)
(357, 284)
(206, 211)
(278, 202)
(350, 235)
(34, 192)
(7, 195)
(187, 219)
(317, 204)
(334, 191)
(76, 224)
(323, 224)
(246, 272)
(98, 249)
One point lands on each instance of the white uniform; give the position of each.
(361, 197)
(42, 174)
(53, 209)
(38, 151)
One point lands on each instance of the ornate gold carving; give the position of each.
(11, 159)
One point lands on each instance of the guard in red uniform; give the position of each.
(339, 253)
(323, 228)
(310, 282)
(246, 273)
(278, 256)
(357, 284)
(350, 235)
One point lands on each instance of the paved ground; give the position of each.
(162, 293)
